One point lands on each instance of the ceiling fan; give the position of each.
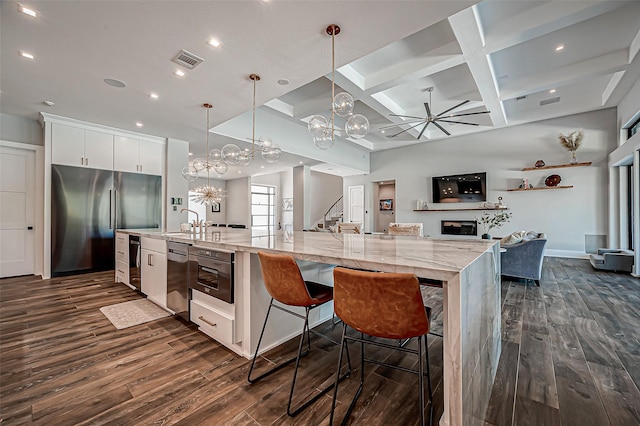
(431, 118)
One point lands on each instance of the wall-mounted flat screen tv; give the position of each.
(467, 188)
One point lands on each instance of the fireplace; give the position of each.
(459, 227)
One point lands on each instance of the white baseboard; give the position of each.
(567, 253)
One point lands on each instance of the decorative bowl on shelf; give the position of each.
(539, 163)
(552, 180)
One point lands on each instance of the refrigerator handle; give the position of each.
(110, 209)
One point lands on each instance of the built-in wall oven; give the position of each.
(211, 272)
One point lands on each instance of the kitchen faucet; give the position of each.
(197, 220)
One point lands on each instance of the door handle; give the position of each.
(29, 228)
(82, 161)
(86, 161)
(149, 258)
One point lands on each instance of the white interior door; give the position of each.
(17, 216)
(356, 204)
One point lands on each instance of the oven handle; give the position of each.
(211, 271)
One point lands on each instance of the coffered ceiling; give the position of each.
(521, 60)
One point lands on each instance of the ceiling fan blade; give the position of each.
(400, 124)
(405, 116)
(405, 130)
(468, 113)
(426, 106)
(423, 129)
(442, 128)
(452, 108)
(459, 122)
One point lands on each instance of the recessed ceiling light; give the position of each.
(48, 103)
(139, 124)
(552, 91)
(559, 48)
(239, 171)
(115, 83)
(27, 11)
(26, 55)
(179, 73)
(381, 131)
(262, 167)
(153, 95)
(283, 82)
(214, 42)
(300, 162)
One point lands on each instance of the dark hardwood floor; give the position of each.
(571, 355)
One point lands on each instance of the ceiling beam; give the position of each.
(466, 27)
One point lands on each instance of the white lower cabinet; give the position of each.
(215, 318)
(153, 273)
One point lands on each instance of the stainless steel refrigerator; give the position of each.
(87, 205)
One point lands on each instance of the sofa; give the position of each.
(612, 260)
(523, 259)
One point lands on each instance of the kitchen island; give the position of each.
(469, 271)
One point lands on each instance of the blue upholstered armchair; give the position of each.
(524, 259)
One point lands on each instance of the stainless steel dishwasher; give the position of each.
(178, 278)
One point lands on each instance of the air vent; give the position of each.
(519, 98)
(187, 59)
(550, 101)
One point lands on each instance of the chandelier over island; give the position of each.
(205, 194)
(323, 129)
(231, 154)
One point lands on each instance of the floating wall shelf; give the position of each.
(542, 188)
(558, 166)
(457, 210)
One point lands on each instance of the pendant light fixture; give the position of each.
(271, 152)
(205, 194)
(322, 129)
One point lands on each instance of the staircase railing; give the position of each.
(334, 214)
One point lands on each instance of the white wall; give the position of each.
(325, 190)
(237, 204)
(20, 129)
(564, 215)
(176, 186)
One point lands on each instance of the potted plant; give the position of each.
(493, 220)
(571, 143)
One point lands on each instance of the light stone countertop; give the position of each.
(427, 257)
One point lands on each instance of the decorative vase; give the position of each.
(486, 236)
(574, 160)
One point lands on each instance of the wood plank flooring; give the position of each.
(571, 355)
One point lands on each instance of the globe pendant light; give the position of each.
(206, 194)
(322, 129)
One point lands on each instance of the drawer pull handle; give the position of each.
(121, 271)
(121, 252)
(208, 322)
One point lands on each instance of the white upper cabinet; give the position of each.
(73, 146)
(138, 156)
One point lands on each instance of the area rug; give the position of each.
(128, 314)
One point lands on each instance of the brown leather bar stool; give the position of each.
(386, 305)
(284, 282)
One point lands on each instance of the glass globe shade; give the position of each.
(215, 155)
(221, 167)
(271, 154)
(324, 142)
(357, 126)
(265, 142)
(245, 157)
(199, 163)
(343, 104)
(231, 154)
(318, 126)
(189, 173)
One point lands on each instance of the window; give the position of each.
(633, 129)
(263, 203)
